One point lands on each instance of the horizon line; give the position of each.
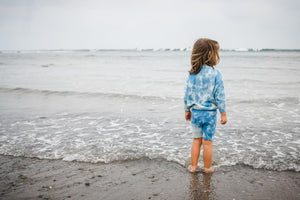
(152, 49)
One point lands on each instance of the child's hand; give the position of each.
(223, 118)
(188, 115)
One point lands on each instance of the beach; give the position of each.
(32, 178)
(109, 124)
(94, 98)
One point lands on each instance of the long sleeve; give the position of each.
(186, 94)
(220, 93)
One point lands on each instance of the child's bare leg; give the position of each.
(196, 151)
(207, 153)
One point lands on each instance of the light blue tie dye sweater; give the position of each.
(205, 90)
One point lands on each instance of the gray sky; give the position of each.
(100, 24)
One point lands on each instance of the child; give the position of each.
(204, 94)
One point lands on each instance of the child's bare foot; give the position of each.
(192, 169)
(210, 170)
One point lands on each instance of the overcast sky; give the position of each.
(102, 24)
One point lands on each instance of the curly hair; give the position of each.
(205, 52)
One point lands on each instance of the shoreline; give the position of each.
(34, 178)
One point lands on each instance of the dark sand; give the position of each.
(32, 178)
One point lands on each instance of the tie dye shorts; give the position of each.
(204, 123)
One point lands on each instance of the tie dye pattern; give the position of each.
(204, 94)
(204, 124)
(205, 90)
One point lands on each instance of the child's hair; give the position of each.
(205, 52)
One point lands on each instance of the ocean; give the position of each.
(116, 105)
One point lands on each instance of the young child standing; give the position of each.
(204, 94)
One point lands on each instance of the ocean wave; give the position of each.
(78, 93)
(100, 138)
(184, 163)
(260, 81)
(182, 49)
(279, 100)
(231, 100)
(260, 50)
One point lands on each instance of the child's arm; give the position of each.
(223, 118)
(220, 97)
(188, 115)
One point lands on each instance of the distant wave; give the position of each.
(77, 93)
(149, 50)
(97, 50)
(295, 100)
(262, 81)
(280, 50)
(260, 50)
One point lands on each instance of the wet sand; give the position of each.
(32, 178)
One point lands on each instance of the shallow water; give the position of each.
(102, 106)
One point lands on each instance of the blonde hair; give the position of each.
(205, 52)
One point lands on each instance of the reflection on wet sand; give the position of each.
(201, 187)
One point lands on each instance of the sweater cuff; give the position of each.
(187, 108)
(222, 109)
